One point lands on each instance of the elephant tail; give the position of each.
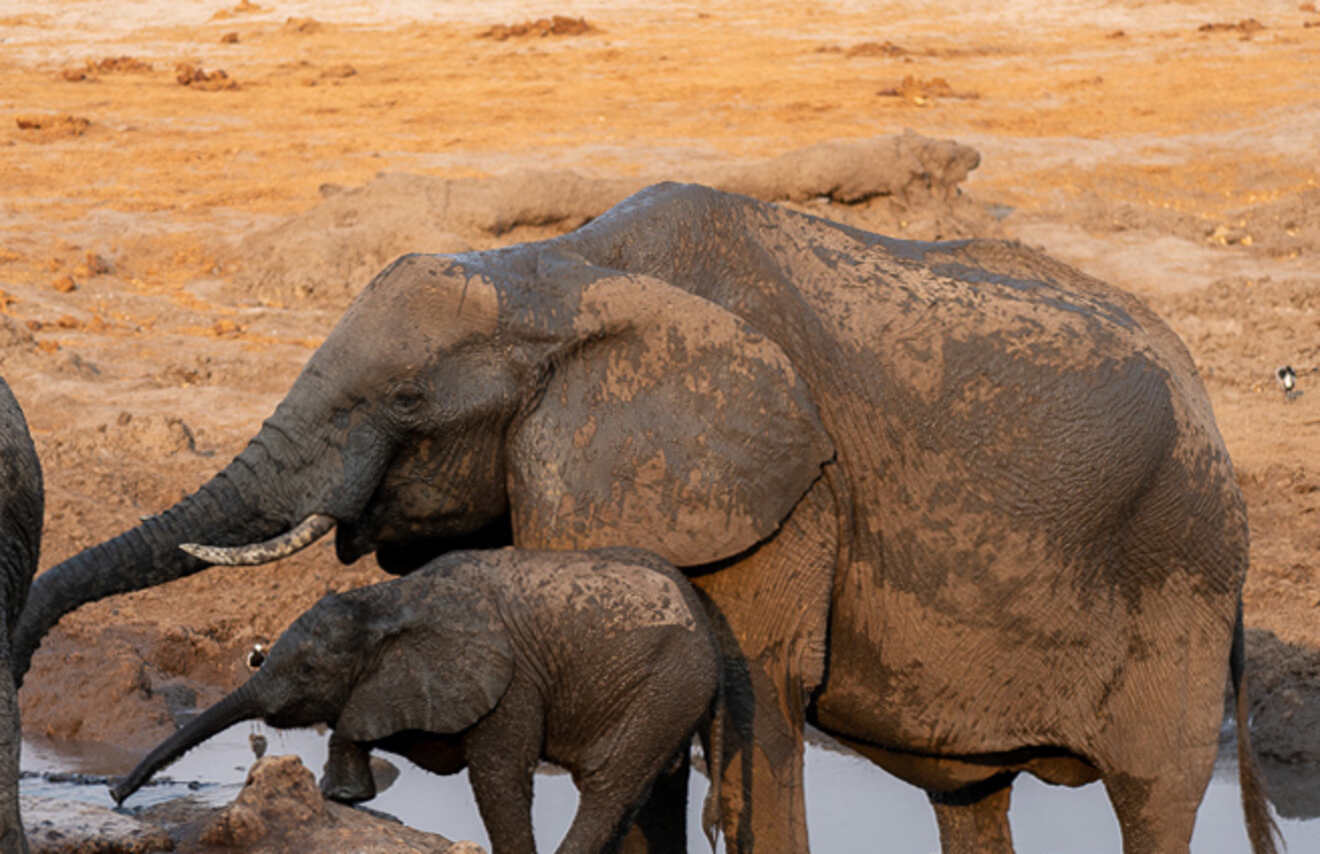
(1261, 828)
(710, 810)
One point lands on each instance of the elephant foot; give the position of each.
(347, 774)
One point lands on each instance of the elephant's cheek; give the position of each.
(413, 510)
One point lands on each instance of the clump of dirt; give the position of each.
(920, 92)
(244, 7)
(303, 26)
(208, 81)
(338, 72)
(1247, 27)
(108, 65)
(47, 128)
(558, 25)
(887, 49)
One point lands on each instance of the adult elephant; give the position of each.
(21, 508)
(957, 504)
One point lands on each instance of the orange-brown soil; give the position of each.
(1167, 147)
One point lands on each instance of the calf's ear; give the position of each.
(667, 423)
(437, 671)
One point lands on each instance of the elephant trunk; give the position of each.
(235, 506)
(241, 705)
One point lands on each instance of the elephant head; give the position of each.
(370, 663)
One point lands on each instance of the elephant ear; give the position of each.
(439, 669)
(668, 423)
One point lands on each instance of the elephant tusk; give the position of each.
(296, 539)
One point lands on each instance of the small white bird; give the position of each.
(257, 742)
(256, 656)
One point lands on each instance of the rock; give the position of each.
(280, 811)
(57, 826)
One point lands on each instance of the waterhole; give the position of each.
(850, 802)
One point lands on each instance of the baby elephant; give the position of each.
(602, 662)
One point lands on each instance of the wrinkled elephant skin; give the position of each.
(21, 507)
(992, 483)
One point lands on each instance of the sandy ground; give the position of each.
(150, 150)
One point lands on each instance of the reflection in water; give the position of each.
(850, 803)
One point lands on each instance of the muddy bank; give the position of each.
(278, 811)
(906, 184)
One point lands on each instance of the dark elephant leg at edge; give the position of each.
(654, 829)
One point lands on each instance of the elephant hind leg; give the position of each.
(654, 829)
(1155, 815)
(1160, 764)
(974, 820)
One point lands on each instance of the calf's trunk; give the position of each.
(236, 707)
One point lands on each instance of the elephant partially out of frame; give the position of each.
(957, 504)
(603, 662)
(21, 506)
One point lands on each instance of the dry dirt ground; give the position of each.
(189, 197)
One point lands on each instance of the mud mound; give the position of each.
(558, 25)
(1285, 698)
(280, 809)
(1284, 686)
(906, 184)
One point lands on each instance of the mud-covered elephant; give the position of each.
(21, 507)
(958, 505)
(603, 662)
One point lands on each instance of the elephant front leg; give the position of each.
(347, 774)
(762, 798)
(770, 612)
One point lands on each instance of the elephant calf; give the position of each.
(602, 662)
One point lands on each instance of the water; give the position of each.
(850, 802)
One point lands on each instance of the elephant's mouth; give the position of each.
(402, 552)
(352, 541)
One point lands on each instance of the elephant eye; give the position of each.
(406, 399)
